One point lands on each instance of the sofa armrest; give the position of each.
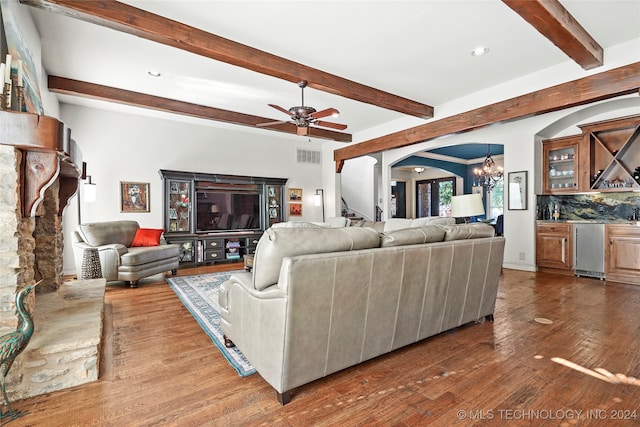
(244, 281)
(255, 321)
(110, 259)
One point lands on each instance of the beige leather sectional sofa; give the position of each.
(320, 300)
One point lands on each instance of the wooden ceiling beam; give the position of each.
(555, 22)
(147, 25)
(136, 99)
(608, 84)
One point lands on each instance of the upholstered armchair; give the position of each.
(127, 252)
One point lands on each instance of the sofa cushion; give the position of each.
(392, 224)
(412, 236)
(474, 230)
(357, 223)
(337, 221)
(297, 224)
(147, 237)
(431, 220)
(104, 233)
(140, 255)
(378, 226)
(396, 224)
(277, 243)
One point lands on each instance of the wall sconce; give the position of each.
(318, 200)
(87, 191)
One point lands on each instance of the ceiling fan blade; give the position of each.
(331, 125)
(325, 113)
(279, 108)
(270, 123)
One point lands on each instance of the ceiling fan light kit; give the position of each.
(304, 116)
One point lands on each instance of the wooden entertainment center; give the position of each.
(219, 218)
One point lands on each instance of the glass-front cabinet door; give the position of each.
(187, 250)
(179, 205)
(274, 204)
(560, 165)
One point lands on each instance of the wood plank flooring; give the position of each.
(160, 369)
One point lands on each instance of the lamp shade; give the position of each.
(318, 200)
(90, 191)
(467, 205)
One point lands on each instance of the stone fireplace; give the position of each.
(38, 175)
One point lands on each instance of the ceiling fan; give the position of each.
(303, 117)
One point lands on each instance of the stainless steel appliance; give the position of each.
(588, 249)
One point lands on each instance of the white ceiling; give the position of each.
(416, 49)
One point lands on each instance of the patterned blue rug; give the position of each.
(199, 294)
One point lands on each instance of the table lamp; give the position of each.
(466, 206)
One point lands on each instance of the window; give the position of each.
(495, 200)
(433, 197)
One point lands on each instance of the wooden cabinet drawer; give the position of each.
(213, 256)
(624, 230)
(560, 227)
(215, 244)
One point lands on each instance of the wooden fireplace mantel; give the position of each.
(49, 154)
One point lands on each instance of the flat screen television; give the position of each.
(227, 210)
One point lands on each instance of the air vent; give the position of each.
(587, 273)
(308, 156)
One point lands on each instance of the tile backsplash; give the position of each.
(596, 206)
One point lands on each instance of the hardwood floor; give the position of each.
(160, 368)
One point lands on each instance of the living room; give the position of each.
(129, 144)
(128, 136)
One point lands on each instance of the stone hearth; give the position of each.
(65, 348)
(39, 172)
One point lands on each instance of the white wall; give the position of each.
(358, 185)
(125, 147)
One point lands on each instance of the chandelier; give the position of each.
(489, 175)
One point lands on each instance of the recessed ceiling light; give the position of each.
(154, 73)
(479, 51)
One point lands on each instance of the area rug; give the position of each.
(199, 294)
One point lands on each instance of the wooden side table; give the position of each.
(248, 262)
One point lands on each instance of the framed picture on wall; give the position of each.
(295, 209)
(295, 194)
(134, 197)
(517, 191)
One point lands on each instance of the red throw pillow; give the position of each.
(147, 237)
